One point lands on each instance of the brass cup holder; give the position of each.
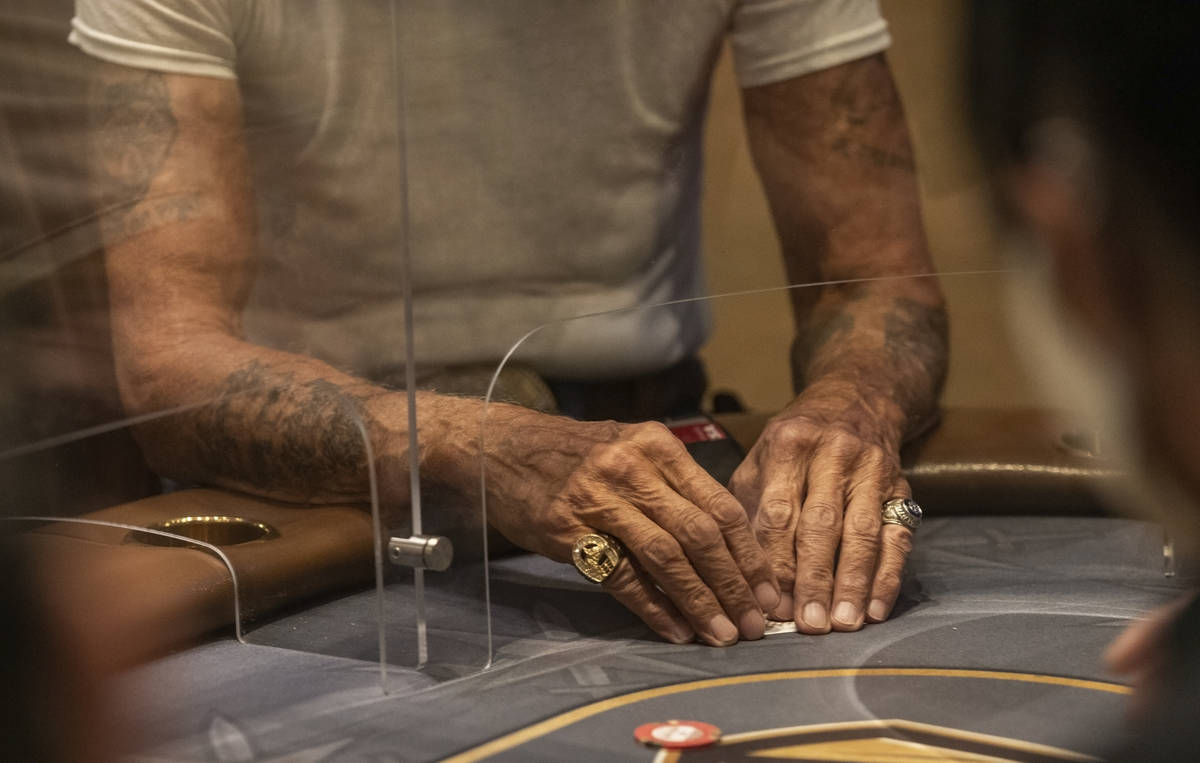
(216, 530)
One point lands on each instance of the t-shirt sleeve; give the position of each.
(775, 40)
(177, 36)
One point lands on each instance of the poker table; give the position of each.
(993, 651)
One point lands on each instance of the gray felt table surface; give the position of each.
(1031, 595)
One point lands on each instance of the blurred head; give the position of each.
(1086, 116)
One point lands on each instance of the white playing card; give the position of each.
(779, 626)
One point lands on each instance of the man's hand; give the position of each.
(692, 567)
(814, 485)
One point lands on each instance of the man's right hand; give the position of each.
(692, 565)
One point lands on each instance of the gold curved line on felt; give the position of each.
(562, 720)
(899, 724)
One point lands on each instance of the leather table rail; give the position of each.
(177, 594)
(984, 461)
(976, 461)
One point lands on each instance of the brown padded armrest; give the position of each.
(165, 597)
(980, 461)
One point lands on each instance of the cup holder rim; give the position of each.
(257, 530)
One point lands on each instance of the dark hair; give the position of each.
(1127, 70)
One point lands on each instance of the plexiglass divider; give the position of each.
(433, 617)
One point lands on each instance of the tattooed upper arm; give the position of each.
(132, 129)
(851, 112)
(158, 148)
(833, 153)
(863, 111)
(177, 210)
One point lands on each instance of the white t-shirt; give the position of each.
(553, 160)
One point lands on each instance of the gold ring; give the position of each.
(596, 555)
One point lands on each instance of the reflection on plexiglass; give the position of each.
(245, 260)
(237, 274)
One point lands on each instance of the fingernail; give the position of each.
(767, 596)
(846, 613)
(753, 625)
(786, 608)
(814, 616)
(878, 610)
(723, 630)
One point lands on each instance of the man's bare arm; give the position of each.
(833, 153)
(173, 189)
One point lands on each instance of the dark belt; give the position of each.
(674, 392)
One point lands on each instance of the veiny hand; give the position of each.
(692, 567)
(814, 485)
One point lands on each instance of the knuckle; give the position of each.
(821, 518)
(842, 441)
(699, 531)
(786, 578)
(863, 526)
(783, 562)
(726, 510)
(613, 459)
(815, 574)
(853, 538)
(729, 585)
(888, 580)
(660, 551)
(696, 600)
(899, 541)
(603, 516)
(651, 435)
(789, 435)
(882, 467)
(774, 514)
(855, 584)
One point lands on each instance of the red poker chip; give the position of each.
(676, 735)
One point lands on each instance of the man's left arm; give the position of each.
(835, 160)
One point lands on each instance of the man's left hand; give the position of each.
(814, 486)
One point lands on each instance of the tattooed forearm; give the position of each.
(837, 165)
(887, 347)
(282, 436)
(812, 343)
(916, 340)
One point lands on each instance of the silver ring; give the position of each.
(903, 511)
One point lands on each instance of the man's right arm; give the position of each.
(178, 221)
(178, 216)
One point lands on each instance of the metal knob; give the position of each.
(427, 552)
